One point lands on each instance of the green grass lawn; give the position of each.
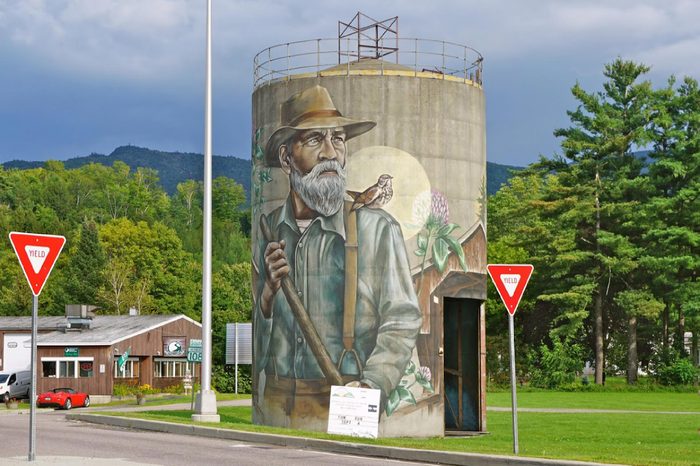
(636, 401)
(172, 399)
(156, 400)
(637, 439)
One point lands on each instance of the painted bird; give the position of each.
(374, 197)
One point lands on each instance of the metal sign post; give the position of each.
(32, 404)
(37, 255)
(194, 365)
(239, 346)
(513, 383)
(194, 355)
(236, 365)
(510, 281)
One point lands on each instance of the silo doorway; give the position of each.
(461, 357)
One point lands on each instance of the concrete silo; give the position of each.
(369, 164)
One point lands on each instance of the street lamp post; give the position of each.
(205, 403)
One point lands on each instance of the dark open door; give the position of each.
(461, 343)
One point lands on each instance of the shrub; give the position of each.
(224, 381)
(177, 389)
(145, 389)
(122, 390)
(681, 372)
(556, 367)
(669, 368)
(497, 362)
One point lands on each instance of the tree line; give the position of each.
(612, 226)
(129, 244)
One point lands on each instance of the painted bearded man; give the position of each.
(369, 342)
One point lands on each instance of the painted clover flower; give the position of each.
(430, 208)
(424, 373)
(439, 210)
(432, 211)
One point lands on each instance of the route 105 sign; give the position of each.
(194, 351)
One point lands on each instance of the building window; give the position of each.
(85, 369)
(130, 370)
(171, 367)
(66, 368)
(48, 368)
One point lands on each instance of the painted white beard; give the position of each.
(323, 194)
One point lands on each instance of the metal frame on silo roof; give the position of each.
(424, 58)
(385, 31)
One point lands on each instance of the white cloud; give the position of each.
(681, 58)
(127, 39)
(157, 46)
(147, 39)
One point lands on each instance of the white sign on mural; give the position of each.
(354, 411)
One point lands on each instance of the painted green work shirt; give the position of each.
(387, 317)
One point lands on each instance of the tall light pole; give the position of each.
(205, 403)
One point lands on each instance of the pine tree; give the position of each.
(672, 214)
(84, 274)
(597, 173)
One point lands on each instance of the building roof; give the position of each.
(25, 323)
(103, 331)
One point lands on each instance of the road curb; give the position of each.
(376, 451)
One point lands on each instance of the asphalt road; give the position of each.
(63, 442)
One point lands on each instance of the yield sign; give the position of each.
(510, 281)
(37, 255)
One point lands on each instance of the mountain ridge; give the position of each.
(176, 167)
(172, 167)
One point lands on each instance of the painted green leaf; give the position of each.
(405, 395)
(445, 230)
(440, 253)
(410, 368)
(258, 154)
(419, 252)
(457, 248)
(265, 176)
(422, 242)
(392, 403)
(425, 384)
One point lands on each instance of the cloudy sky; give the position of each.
(83, 76)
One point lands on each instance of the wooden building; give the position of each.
(83, 353)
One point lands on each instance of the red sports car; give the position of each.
(65, 398)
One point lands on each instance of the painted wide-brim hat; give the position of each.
(310, 109)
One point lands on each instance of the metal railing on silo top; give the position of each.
(324, 56)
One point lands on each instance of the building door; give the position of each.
(461, 343)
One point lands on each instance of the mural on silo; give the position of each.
(344, 264)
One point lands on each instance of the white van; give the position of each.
(17, 384)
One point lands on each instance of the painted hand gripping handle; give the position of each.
(302, 318)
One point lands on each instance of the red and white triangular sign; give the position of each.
(510, 281)
(37, 255)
